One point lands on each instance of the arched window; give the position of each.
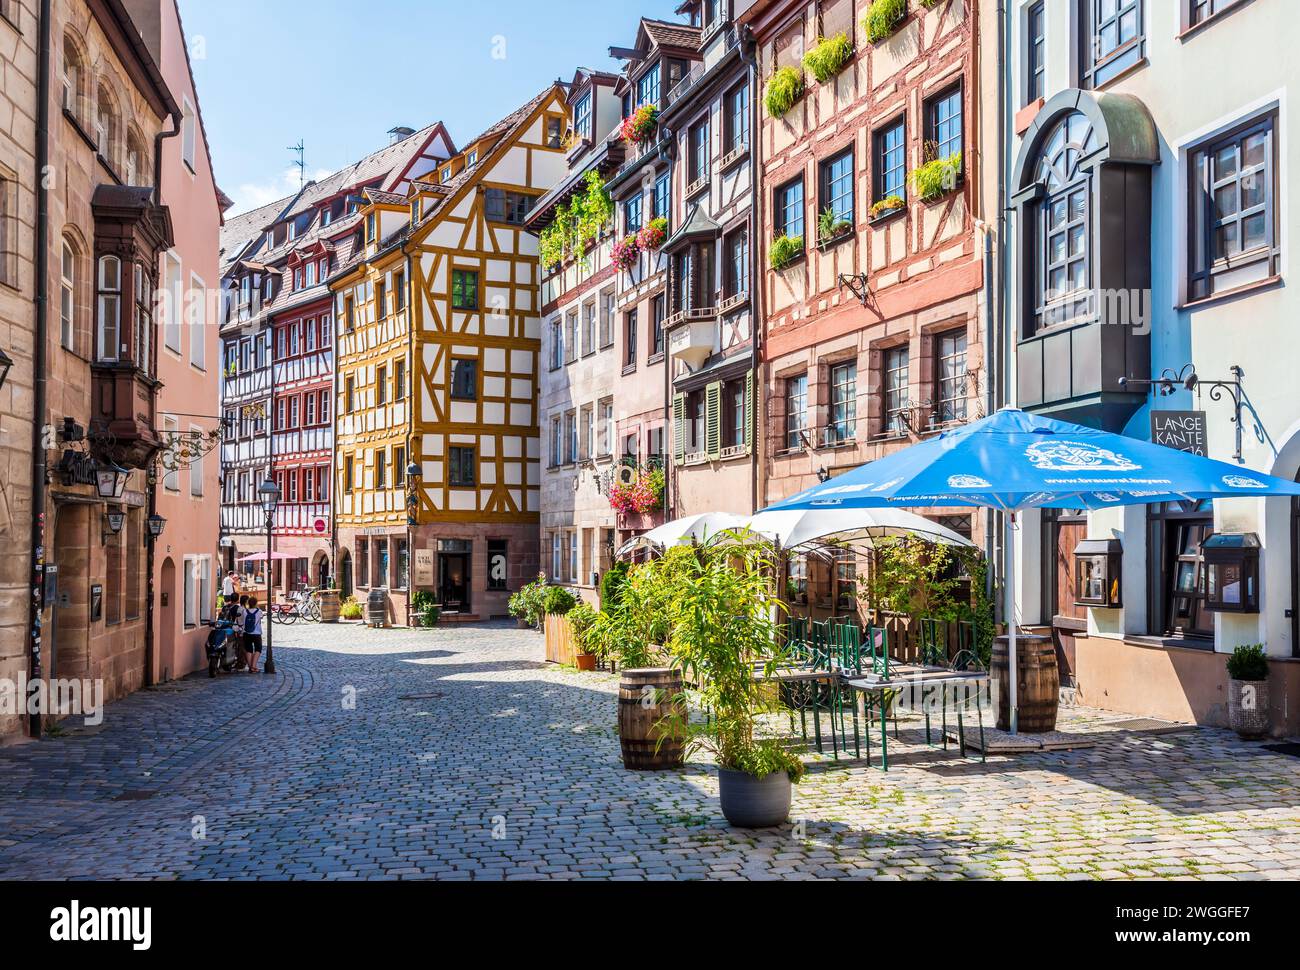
(68, 296)
(108, 327)
(74, 77)
(136, 168)
(106, 125)
(1064, 279)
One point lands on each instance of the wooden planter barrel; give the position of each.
(329, 605)
(638, 721)
(1038, 688)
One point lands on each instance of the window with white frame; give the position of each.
(109, 315)
(189, 134)
(68, 297)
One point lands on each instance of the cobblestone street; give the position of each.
(465, 756)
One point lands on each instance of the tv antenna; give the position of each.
(300, 163)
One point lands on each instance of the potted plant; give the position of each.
(425, 609)
(639, 126)
(829, 56)
(652, 235)
(625, 254)
(581, 618)
(722, 629)
(350, 609)
(783, 90)
(526, 605)
(1248, 691)
(830, 227)
(785, 250)
(883, 18)
(937, 177)
(890, 203)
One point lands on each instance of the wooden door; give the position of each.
(1068, 620)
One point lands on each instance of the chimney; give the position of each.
(399, 134)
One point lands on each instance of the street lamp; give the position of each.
(5, 363)
(114, 519)
(110, 481)
(156, 525)
(270, 496)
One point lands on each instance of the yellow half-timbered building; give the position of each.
(466, 527)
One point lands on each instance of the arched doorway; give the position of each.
(345, 574)
(166, 622)
(320, 571)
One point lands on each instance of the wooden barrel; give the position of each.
(645, 697)
(329, 605)
(1038, 683)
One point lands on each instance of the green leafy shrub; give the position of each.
(1248, 663)
(888, 204)
(937, 177)
(828, 57)
(783, 90)
(350, 609)
(578, 224)
(558, 601)
(882, 18)
(581, 619)
(785, 250)
(425, 605)
(830, 226)
(529, 603)
(611, 586)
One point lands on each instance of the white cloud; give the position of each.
(254, 195)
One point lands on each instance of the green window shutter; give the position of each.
(679, 427)
(713, 420)
(749, 409)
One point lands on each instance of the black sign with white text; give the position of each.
(1180, 430)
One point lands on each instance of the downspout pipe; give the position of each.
(150, 635)
(999, 389)
(759, 383)
(36, 615)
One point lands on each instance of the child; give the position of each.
(253, 633)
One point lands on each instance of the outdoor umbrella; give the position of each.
(1014, 461)
(692, 528)
(798, 527)
(261, 557)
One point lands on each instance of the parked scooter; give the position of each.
(222, 647)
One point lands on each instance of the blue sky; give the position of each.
(339, 73)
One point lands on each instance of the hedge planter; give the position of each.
(1248, 708)
(754, 803)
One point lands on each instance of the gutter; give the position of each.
(36, 615)
(999, 393)
(759, 384)
(150, 649)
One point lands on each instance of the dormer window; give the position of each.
(326, 216)
(647, 89)
(582, 116)
(372, 222)
(471, 159)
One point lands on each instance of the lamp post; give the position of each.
(270, 496)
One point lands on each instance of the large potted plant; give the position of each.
(1248, 691)
(526, 606)
(425, 609)
(722, 631)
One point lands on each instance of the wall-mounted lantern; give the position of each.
(110, 481)
(114, 519)
(1231, 572)
(156, 525)
(5, 363)
(1097, 574)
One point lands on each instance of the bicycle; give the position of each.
(282, 613)
(306, 605)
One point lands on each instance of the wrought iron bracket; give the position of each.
(857, 283)
(1186, 379)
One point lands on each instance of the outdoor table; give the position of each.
(803, 675)
(880, 686)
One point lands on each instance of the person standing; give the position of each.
(229, 587)
(253, 633)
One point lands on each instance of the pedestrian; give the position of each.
(240, 622)
(253, 633)
(229, 587)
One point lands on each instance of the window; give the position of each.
(571, 336)
(464, 379)
(582, 116)
(846, 580)
(1112, 39)
(198, 320)
(171, 434)
(349, 469)
(606, 443)
(663, 196)
(108, 331)
(511, 207)
(943, 122)
(67, 285)
(381, 468)
(399, 466)
(796, 411)
(349, 394)
(461, 472)
(844, 403)
(324, 407)
(498, 570)
(695, 422)
(402, 577)
(557, 442)
(659, 308)
(1233, 220)
(587, 432)
(464, 289)
(647, 89)
(737, 268)
(735, 130)
(557, 344)
(399, 380)
(196, 467)
(381, 299)
(73, 78)
(837, 186)
(106, 126)
(309, 410)
(699, 153)
(606, 319)
(557, 556)
(381, 385)
(629, 338)
(950, 377)
(797, 581)
(632, 215)
(363, 562)
(589, 328)
(1064, 238)
(189, 135)
(891, 162)
(1199, 11)
(1035, 54)
(733, 414)
(281, 423)
(294, 412)
(399, 291)
(789, 209)
(571, 438)
(8, 237)
(895, 386)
